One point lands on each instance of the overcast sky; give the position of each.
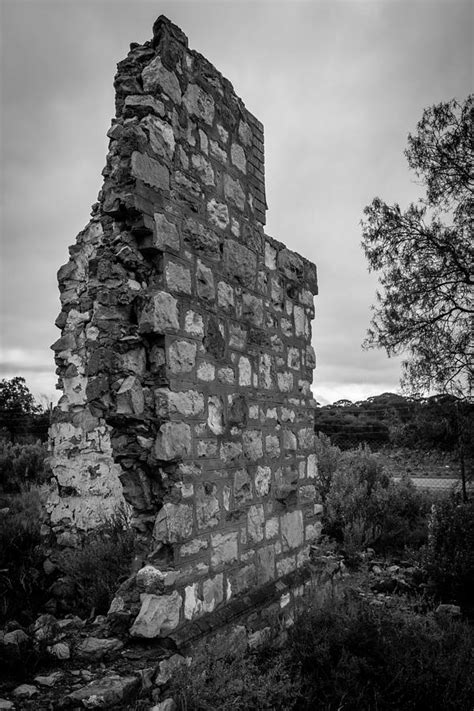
(337, 85)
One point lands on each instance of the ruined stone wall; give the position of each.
(185, 357)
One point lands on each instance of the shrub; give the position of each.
(356, 655)
(328, 457)
(22, 465)
(99, 565)
(22, 580)
(263, 680)
(450, 551)
(364, 507)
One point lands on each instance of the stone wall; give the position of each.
(185, 357)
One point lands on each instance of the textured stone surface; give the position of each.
(185, 357)
(106, 692)
(158, 615)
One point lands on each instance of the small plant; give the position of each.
(450, 551)
(99, 565)
(21, 465)
(262, 680)
(22, 580)
(356, 655)
(328, 457)
(365, 508)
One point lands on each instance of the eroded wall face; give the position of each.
(185, 356)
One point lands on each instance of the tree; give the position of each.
(19, 413)
(424, 256)
(16, 399)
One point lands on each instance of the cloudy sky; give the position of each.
(337, 84)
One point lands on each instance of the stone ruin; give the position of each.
(185, 358)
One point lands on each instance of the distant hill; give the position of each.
(438, 422)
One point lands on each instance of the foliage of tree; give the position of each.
(16, 398)
(20, 414)
(438, 422)
(424, 257)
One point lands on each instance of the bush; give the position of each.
(22, 580)
(22, 465)
(450, 551)
(99, 565)
(364, 507)
(328, 457)
(264, 680)
(356, 655)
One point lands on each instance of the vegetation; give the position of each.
(438, 422)
(424, 257)
(21, 418)
(96, 569)
(22, 580)
(21, 466)
(364, 507)
(259, 681)
(450, 551)
(347, 653)
(353, 654)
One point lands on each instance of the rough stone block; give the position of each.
(299, 320)
(174, 522)
(193, 547)
(160, 314)
(199, 103)
(237, 156)
(182, 356)
(155, 77)
(252, 445)
(252, 309)
(150, 171)
(178, 278)
(262, 481)
(242, 487)
(205, 282)
(291, 265)
(207, 506)
(291, 526)
(272, 446)
(215, 417)
(212, 592)
(206, 372)
(187, 404)
(312, 466)
(158, 616)
(272, 528)
(265, 564)
(161, 136)
(255, 523)
(193, 324)
(245, 133)
(165, 234)
(130, 400)
(286, 565)
(230, 452)
(224, 548)
(218, 214)
(245, 372)
(201, 239)
(240, 263)
(173, 441)
(192, 601)
(225, 296)
(203, 168)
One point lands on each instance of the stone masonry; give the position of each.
(185, 358)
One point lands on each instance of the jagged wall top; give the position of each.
(165, 67)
